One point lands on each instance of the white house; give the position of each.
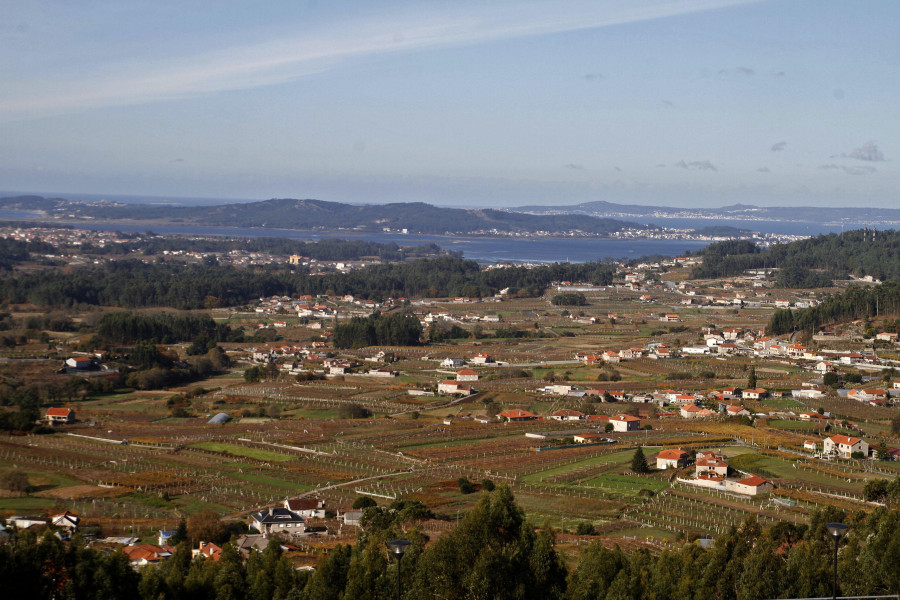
(625, 423)
(844, 446)
(673, 458)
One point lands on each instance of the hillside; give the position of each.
(416, 217)
(812, 262)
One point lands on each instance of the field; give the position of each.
(131, 465)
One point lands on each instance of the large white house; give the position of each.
(844, 446)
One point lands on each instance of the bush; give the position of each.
(465, 486)
(363, 502)
(487, 485)
(585, 528)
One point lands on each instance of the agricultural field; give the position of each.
(138, 460)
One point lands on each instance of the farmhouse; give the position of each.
(625, 423)
(80, 362)
(448, 386)
(673, 458)
(277, 520)
(466, 375)
(308, 508)
(144, 554)
(566, 414)
(753, 485)
(711, 464)
(65, 520)
(844, 446)
(207, 550)
(57, 416)
(737, 411)
(754, 394)
(517, 414)
(588, 438)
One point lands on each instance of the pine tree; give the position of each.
(639, 462)
(751, 378)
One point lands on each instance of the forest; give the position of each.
(494, 553)
(378, 330)
(857, 302)
(811, 262)
(135, 284)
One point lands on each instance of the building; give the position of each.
(566, 414)
(60, 416)
(625, 423)
(466, 375)
(844, 446)
(308, 508)
(673, 458)
(517, 414)
(277, 520)
(753, 485)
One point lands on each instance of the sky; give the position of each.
(694, 103)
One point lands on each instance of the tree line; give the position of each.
(378, 330)
(135, 284)
(857, 302)
(494, 553)
(812, 262)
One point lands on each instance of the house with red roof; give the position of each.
(144, 554)
(624, 423)
(672, 458)
(753, 485)
(58, 415)
(466, 375)
(844, 446)
(711, 464)
(517, 414)
(567, 414)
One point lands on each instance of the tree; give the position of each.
(15, 481)
(751, 378)
(639, 461)
(465, 486)
(363, 502)
(206, 526)
(881, 452)
(831, 379)
(493, 553)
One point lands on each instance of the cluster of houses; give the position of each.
(711, 471)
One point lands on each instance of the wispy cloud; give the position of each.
(763, 170)
(868, 151)
(575, 166)
(697, 165)
(778, 147)
(135, 79)
(593, 76)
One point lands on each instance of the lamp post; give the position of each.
(398, 547)
(837, 531)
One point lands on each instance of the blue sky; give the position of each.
(466, 103)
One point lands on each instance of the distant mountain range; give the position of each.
(809, 214)
(414, 217)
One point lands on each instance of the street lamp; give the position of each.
(398, 547)
(837, 531)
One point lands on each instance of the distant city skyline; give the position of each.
(696, 103)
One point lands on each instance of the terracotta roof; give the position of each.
(672, 454)
(753, 481)
(844, 439)
(58, 412)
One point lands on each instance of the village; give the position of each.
(549, 399)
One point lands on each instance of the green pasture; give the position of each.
(783, 404)
(25, 503)
(237, 450)
(621, 459)
(271, 481)
(627, 485)
(788, 424)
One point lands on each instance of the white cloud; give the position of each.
(135, 80)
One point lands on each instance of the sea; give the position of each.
(481, 249)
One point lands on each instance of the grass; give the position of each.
(26, 503)
(279, 483)
(788, 424)
(238, 450)
(783, 403)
